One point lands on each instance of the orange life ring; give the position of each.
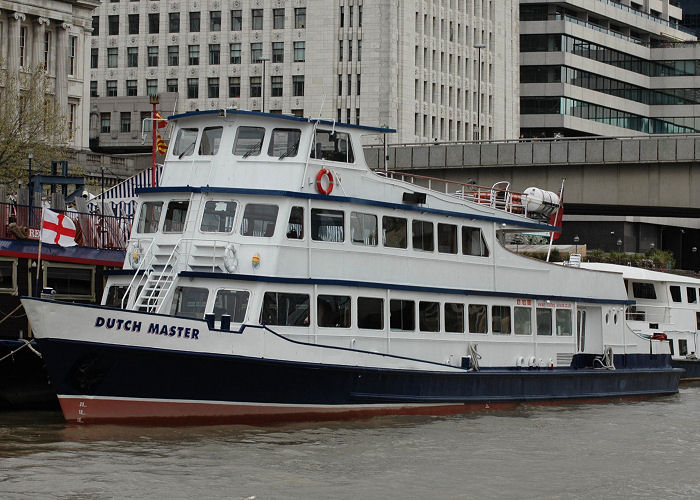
(319, 181)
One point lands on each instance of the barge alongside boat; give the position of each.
(273, 276)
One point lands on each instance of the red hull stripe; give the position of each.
(91, 410)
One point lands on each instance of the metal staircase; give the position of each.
(154, 280)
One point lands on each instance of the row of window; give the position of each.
(327, 225)
(646, 290)
(195, 21)
(276, 87)
(68, 281)
(277, 52)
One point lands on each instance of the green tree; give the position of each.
(30, 122)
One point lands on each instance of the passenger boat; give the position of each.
(273, 276)
(666, 306)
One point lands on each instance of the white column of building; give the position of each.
(39, 33)
(15, 20)
(62, 67)
(82, 133)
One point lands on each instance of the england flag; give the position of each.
(57, 229)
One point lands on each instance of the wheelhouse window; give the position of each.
(394, 232)
(327, 225)
(447, 238)
(522, 321)
(218, 216)
(429, 316)
(149, 217)
(544, 321)
(682, 347)
(285, 309)
(642, 290)
(333, 146)
(370, 313)
(259, 220)
(363, 228)
(333, 311)
(211, 140)
(692, 295)
(175, 217)
(563, 322)
(454, 317)
(248, 141)
(8, 276)
(75, 282)
(675, 293)
(295, 225)
(500, 319)
(189, 302)
(402, 315)
(231, 302)
(284, 143)
(115, 295)
(473, 242)
(185, 141)
(422, 233)
(478, 318)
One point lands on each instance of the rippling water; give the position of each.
(648, 449)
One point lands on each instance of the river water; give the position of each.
(646, 449)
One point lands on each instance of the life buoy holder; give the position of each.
(324, 172)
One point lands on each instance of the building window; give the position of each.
(278, 19)
(95, 25)
(300, 17)
(172, 85)
(235, 53)
(194, 22)
(173, 55)
(213, 87)
(236, 20)
(298, 85)
(192, 88)
(113, 25)
(47, 49)
(256, 20)
(357, 116)
(340, 86)
(111, 88)
(214, 53)
(359, 50)
(133, 24)
(131, 88)
(112, 57)
(193, 55)
(125, 122)
(72, 53)
(277, 52)
(256, 52)
(340, 50)
(94, 58)
(342, 16)
(359, 16)
(174, 22)
(349, 50)
(93, 88)
(276, 86)
(255, 86)
(153, 56)
(132, 57)
(215, 20)
(299, 51)
(234, 86)
(154, 23)
(357, 90)
(151, 87)
(105, 119)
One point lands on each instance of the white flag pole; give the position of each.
(551, 234)
(38, 262)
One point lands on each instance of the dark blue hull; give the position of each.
(24, 384)
(101, 382)
(691, 367)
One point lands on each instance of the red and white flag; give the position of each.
(57, 229)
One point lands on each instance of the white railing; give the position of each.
(649, 314)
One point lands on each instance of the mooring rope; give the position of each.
(26, 344)
(10, 314)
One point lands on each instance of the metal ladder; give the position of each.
(158, 284)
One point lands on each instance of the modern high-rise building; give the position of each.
(691, 15)
(423, 67)
(607, 67)
(52, 35)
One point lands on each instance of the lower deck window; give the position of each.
(115, 295)
(75, 282)
(402, 315)
(370, 313)
(564, 322)
(423, 238)
(327, 225)
(478, 318)
(454, 318)
(429, 316)
(259, 220)
(500, 319)
(333, 311)
(285, 309)
(682, 347)
(522, 318)
(218, 216)
(675, 293)
(189, 302)
(8, 275)
(231, 302)
(473, 242)
(175, 217)
(295, 225)
(395, 232)
(544, 321)
(363, 228)
(149, 216)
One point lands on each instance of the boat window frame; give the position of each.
(317, 215)
(292, 233)
(190, 147)
(216, 147)
(423, 319)
(228, 289)
(404, 313)
(305, 321)
(418, 231)
(404, 236)
(291, 151)
(497, 328)
(675, 292)
(516, 323)
(344, 314)
(156, 227)
(336, 156)
(642, 289)
(483, 248)
(119, 297)
(254, 150)
(363, 216)
(484, 320)
(267, 233)
(174, 305)
(548, 311)
(557, 314)
(449, 321)
(184, 221)
(47, 265)
(381, 313)
(453, 235)
(233, 218)
(692, 298)
(13, 289)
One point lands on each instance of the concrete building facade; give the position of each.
(413, 65)
(607, 67)
(56, 36)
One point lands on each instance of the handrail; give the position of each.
(140, 268)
